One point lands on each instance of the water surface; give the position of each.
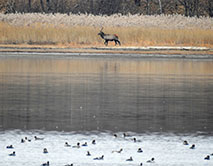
(116, 94)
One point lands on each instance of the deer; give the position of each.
(109, 37)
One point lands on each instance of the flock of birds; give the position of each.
(78, 145)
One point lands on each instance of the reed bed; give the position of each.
(81, 30)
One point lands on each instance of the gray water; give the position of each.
(59, 93)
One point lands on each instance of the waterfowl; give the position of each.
(151, 161)
(45, 150)
(29, 140)
(185, 142)
(37, 138)
(99, 158)
(193, 146)
(135, 140)
(141, 164)
(88, 153)
(117, 151)
(85, 144)
(93, 142)
(140, 150)
(207, 157)
(126, 135)
(10, 147)
(69, 165)
(12, 154)
(46, 164)
(130, 159)
(115, 135)
(22, 141)
(67, 144)
(77, 146)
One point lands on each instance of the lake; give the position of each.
(159, 100)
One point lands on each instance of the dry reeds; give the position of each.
(83, 29)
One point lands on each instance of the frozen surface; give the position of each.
(167, 149)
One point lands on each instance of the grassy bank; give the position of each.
(81, 30)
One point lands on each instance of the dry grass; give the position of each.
(81, 30)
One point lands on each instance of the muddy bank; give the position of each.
(152, 51)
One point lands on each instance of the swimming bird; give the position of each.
(22, 141)
(67, 144)
(88, 153)
(99, 158)
(185, 142)
(29, 140)
(45, 150)
(140, 150)
(85, 144)
(126, 135)
(207, 157)
(193, 146)
(37, 138)
(151, 161)
(130, 159)
(76, 146)
(115, 135)
(141, 164)
(46, 164)
(13, 154)
(93, 142)
(117, 151)
(10, 147)
(69, 165)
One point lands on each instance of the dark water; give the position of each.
(116, 94)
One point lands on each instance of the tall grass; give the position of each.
(82, 29)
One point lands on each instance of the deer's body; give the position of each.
(109, 37)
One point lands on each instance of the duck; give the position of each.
(88, 153)
(117, 151)
(69, 165)
(93, 142)
(151, 161)
(22, 140)
(13, 154)
(85, 144)
(185, 143)
(99, 158)
(46, 164)
(29, 140)
(37, 138)
(76, 146)
(45, 150)
(141, 164)
(130, 159)
(193, 146)
(126, 135)
(115, 135)
(10, 147)
(67, 144)
(140, 150)
(207, 157)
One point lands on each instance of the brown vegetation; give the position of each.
(81, 30)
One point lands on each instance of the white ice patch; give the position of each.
(166, 149)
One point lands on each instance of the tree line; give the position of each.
(189, 8)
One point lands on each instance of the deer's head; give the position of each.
(101, 33)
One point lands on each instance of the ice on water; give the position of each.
(167, 149)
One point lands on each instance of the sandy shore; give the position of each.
(152, 51)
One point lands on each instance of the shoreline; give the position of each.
(134, 52)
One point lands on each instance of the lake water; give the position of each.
(160, 101)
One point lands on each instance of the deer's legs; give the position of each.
(117, 41)
(106, 42)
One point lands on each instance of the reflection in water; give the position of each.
(114, 94)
